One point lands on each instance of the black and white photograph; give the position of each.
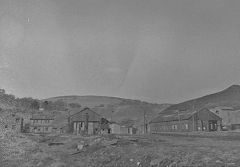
(119, 83)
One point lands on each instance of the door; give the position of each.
(212, 125)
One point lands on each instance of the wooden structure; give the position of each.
(186, 121)
(115, 128)
(86, 121)
(41, 123)
(230, 117)
(122, 129)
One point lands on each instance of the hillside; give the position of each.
(229, 97)
(114, 108)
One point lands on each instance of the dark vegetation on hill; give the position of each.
(229, 97)
(10, 102)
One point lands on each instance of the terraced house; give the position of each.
(186, 121)
(41, 123)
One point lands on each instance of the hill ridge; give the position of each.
(227, 97)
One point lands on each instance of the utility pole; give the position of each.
(69, 121)
(179, 121)
(144, 120)
(112, 116)
(193, 107)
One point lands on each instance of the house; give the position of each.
(115, 128)
(230, 117)
(64, 129)
(122, 129)
(185, 121)
(86, 121)
(41, 123)
(128, 130)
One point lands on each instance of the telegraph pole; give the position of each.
(112, 116)
(179, 121)
(193, 107)
(144, 121)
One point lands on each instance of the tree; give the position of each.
(59, 105)
(2, 91)
(74, 105)
(35, 105)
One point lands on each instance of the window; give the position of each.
(211, 126)
(174, 127)
(13, 127)
(17, 120)
(46, 128)
(186, 126)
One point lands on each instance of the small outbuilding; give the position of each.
(122, 129)
(115, 128)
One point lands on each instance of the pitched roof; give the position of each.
(171, 117)
(81, 116)
(41, 116)
(202, 114)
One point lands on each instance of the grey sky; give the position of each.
(154, 50)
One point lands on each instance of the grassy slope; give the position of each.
(229, 97)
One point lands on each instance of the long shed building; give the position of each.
(186, 121)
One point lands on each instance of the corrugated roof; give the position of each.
(202, 114)
(172, 117)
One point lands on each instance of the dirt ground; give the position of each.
(122, 151)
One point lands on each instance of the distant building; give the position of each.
(128, 130)
(115, 128)
(64, 129)
(41, 123)
(122, 129)
(87, 121)
(186, 121)
(230, 117)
